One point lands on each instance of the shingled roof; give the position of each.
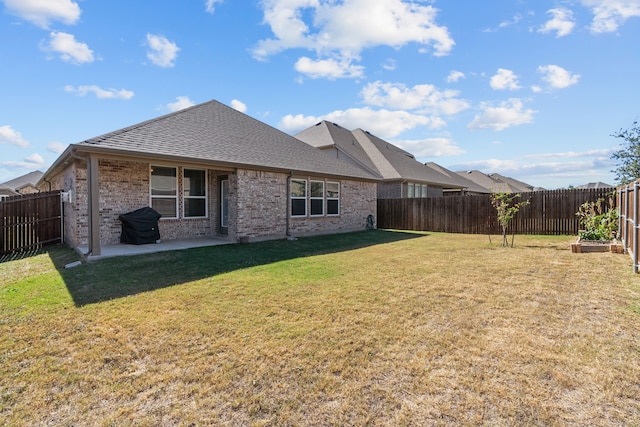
(375, 154)
(17, 183)
(217, 134)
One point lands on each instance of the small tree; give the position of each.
(628, 157)
(506, 209)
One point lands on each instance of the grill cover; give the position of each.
(140, 226)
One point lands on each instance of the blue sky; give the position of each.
(529, 89)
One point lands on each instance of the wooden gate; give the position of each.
(31, 221)
(629, 227)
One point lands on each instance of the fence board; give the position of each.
(30, 221)
(548, 212)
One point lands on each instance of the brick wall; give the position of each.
(389, 190)
(72, 179)
(261, 204)
(357, 201)
(258, 204)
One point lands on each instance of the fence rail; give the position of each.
(30, 222)
(548, 212)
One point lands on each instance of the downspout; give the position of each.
(288, 204)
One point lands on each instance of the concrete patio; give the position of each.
(108, 251)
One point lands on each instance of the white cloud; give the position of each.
(181, 103)
(504, 24)
(68, 48)
(56, 147)
(99, 92)
(504, 79)
(343, 29)
(609, 15)
(35, 159)
(12, 137)
(426, 98)
(43, 12)
(430, 147)
(557, 77)
(389, 64)
(210, 5)
(550, 170)
(504, 115)
(562, 22)
(382, 123)
(162, 52)
(328, 68)
(455, 76)
(238, 105)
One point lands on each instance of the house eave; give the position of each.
(82, 150)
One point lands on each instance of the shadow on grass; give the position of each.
(113, 278)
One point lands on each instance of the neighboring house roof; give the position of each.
(496, 182)
(468, 185)
(594, 185)
(7, 192)
(215, 133)
(23, 181)
(374, 154)
(521, 186)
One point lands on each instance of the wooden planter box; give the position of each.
(584, 246)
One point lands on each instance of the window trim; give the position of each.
(332, 198)
(305, 197)
(204, 198)
(312, 198)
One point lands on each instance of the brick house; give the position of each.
(402, 176)
(210, 171)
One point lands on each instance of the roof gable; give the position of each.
(213, 132)
(23, 181)
(375, 154)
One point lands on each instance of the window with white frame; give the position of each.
(194, 193)
(411, 190)
(424, 190)
(298, 197)
(164, 191)
(333, 198)
(316, 196)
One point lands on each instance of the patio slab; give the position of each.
(108, 251)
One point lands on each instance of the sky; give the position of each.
(530, 89)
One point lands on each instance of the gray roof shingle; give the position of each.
(215, 133)
(375, 154)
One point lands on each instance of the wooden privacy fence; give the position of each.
(31, 221)
(548, 212)
(628, 206)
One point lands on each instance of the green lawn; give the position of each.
(371, 328)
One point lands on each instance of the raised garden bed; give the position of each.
(583, 246)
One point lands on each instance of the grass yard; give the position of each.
(374, 328)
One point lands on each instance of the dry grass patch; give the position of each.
(362, 329)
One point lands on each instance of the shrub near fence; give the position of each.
(30, 222)
(548, 212)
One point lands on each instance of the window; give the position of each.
(333, 198)
(298, 197)
(164, 191)
(194, 193)
(322, 198)
(411, 190)
(424, 191)
(317, 198)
